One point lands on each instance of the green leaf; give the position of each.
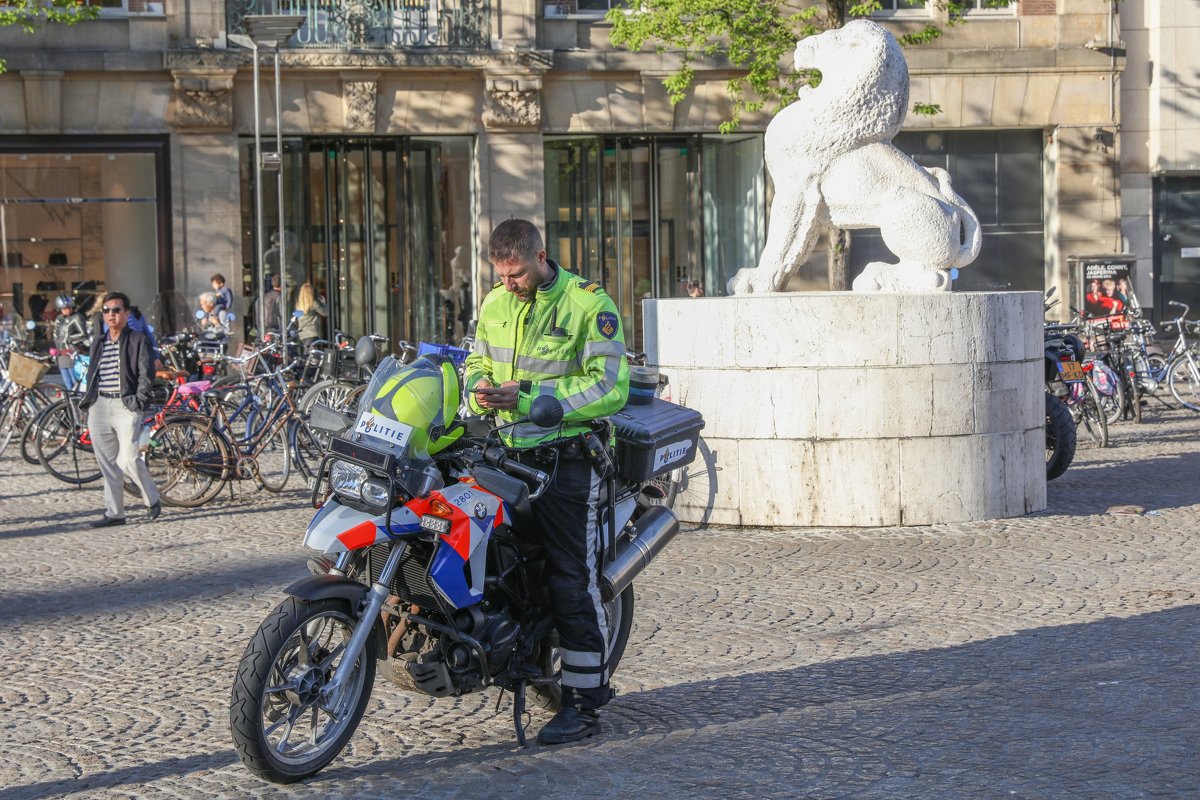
(926, 109)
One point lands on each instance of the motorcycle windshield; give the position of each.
(407, 408)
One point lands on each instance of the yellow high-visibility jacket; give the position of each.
(567, 342)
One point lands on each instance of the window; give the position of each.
(902, 8)
(583, 8)
(999, 174)
(655, 216)
(118, 8)
(80, 223)
(988, 8)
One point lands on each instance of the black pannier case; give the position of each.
(655, 438)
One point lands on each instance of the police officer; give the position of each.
(544, 331)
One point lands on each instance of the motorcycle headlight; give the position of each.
(347, 479)
(375, 492)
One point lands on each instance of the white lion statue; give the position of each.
(831, 156)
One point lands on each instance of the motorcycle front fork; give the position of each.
(368, 612)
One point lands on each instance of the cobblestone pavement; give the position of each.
(1052, 656)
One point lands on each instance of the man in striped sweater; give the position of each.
(118, 390)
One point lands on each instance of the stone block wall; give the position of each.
(861, 410)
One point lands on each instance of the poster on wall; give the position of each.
(1107, 286)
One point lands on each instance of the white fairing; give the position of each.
(334, 519)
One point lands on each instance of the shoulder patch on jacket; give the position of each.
(497, 284)
(588, 286)
(606, 323)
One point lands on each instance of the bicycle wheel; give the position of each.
(17, 413)
(188, 461)
(695, 490)
(1091, 415)
(243, 412)
(1156, 363)
(1184, 381)
(10, 414)
(43, 396)
(274, 459)
(308, 448)
(327, 392)
(63, 446)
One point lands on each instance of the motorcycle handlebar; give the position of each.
(498, 458)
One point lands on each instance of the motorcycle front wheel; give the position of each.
(284, 727)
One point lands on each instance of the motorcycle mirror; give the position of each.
(324, 418)
(1050, 292)
(364, 352)
(545, 412)
(199, 314)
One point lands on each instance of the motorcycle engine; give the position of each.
(443, 666)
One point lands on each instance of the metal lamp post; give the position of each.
(268, 31)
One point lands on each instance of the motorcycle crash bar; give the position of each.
(653, 531)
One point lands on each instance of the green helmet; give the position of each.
(425, 396)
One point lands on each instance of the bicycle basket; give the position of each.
(25, 371)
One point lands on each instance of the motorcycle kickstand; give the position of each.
(518, 693)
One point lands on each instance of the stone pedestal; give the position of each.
(845, 409)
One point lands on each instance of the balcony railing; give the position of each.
(376, 24)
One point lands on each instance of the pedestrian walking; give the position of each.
(311, 325)
(119, 378)
(271, 300)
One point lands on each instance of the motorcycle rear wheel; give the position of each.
(1060, 437)
(281, 727)
(619, 614)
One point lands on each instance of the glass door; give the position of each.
(1177, 245)
(634, 214)
(572, 169)
(386, 234)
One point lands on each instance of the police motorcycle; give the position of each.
(422, 571)
(1062, 359)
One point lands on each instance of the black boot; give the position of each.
(570, 724)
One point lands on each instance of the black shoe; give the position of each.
(570, 725)
(155, 510)
(105, 521)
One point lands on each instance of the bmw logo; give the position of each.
(480, 511)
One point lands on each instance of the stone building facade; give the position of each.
(407, 134)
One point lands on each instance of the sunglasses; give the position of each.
(113, 310)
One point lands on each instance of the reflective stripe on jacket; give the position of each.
(567, 342)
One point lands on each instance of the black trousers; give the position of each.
(567, 524)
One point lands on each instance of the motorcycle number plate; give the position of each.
(1070, 371)
(438, 525)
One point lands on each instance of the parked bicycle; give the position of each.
(192, 457)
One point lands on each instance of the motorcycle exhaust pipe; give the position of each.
(653, 531)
